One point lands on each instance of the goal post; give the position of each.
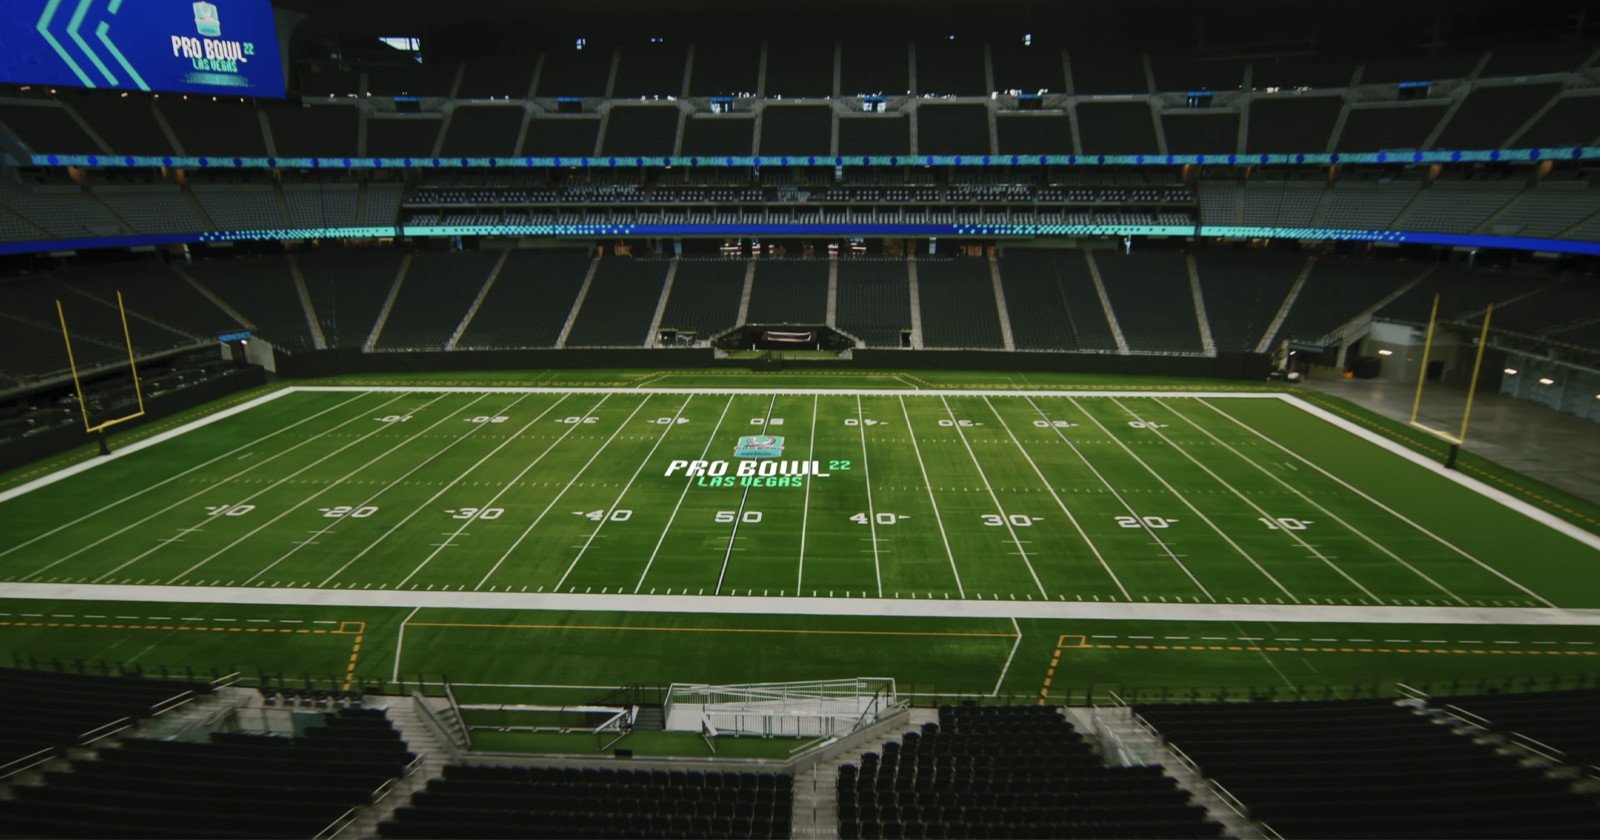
(89, 426)
(1460, 436)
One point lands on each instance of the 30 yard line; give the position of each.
(631, 479)
(445, 489)
(373, 460)
(738, 517)
(1063, 505)
(1389, 510)
(928, 485)
(805, 509)
(999, 508)
(687, 483)
(872, 515)
(168, 480)
(540, 518)
(1308, 500)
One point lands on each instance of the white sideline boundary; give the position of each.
(763, 605)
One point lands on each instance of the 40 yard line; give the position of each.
(687, 483)
(872, 514)
(937, 518)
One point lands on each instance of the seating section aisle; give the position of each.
(347, 288)
(232, 786)
(434, 298)
(705, 297)
(1052, 303)
(620, 304)
(1008, 771)
(958, 306)
(1151, 297)
(1354, 768)
(789, 292)
(1243, 291)
(1462, 292)
(875, 300)
(262, 290)
(530, 301)
(45, 710)
(515, 802)
(1337, 290)
(1564, 310)
(1560, 719)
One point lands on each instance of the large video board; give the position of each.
(210, 46)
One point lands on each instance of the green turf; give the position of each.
(1106, 498)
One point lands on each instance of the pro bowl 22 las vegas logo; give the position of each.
(206, 20)
(760, 464)
(758, 446)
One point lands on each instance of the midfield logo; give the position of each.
(206, 21)
(758, 446)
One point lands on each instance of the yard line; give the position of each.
(1295, 490)
(1389, 510)
(296, 506)
(607, 518)
(937, 518)
(196, 494)
(1010, 656)
(805, 510)
(687, 483)
(165, 481)
(384, 489)
(739, 515)
(540, 518)
(1063, 505)
(1000, 509)
(872, 514)
(1246, 499)
(211, 489)
(457, 480)
(400, 639)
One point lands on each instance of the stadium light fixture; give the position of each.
(1546, 381)
(1511, 371)
(1386, 352)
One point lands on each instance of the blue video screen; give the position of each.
(176, 46)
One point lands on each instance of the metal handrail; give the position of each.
(27, 762)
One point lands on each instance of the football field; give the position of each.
(889, 524)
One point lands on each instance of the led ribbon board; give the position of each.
(210, 46)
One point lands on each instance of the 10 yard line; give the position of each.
(1000, 509)
(687, 483)
(928, 485)
(739, 516)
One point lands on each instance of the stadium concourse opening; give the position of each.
(630, 420)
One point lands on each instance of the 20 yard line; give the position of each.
(738, 517)
(687, 483)
(1389, 510)
(631, 479)
(805, 509)
(937, 518)
(457, 480)
(999, 508)
(540, 518)
(872, 514)
(1063, 505)
(165, 481)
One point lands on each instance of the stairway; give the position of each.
(650, 719)
(422, 741)
(816, 796)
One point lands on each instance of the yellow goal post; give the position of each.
(89, 427)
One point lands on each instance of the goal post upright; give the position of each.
(1422, 369)
(72, 364)
(77, 380)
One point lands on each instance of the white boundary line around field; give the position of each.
(767, 605)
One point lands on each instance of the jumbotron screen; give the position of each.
(178, 46)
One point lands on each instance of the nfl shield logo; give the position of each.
(758, 446)
(206, 21)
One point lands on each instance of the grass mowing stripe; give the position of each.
(687, 483)
(1000, 509)
(202, 465)
(476, 427)
(303, 502)
(618, 501)
(738, 516)
(453, 482)
(1076, 526)
(1389, 510)
(928, 485)
(1308, 500)
(872, 513)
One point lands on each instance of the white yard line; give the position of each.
(317, 534)
(1005, 669)
(400, 641)
(998, 508)
(872, 513)
(1389, 510)
(738, 516)
(169, 479)
(618, 500)
(1063, 505)
(805, 509)
(1308, 500)
(767, 392)
(1175, 494)
(212, 488)
(445, 489)
(340, 480)
(760, 605)
(928, 486)
(540, 518)
(1242, 497)
(687, 483)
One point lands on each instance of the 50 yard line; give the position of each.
(805, 510)
(739, 516)
(687, 483)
